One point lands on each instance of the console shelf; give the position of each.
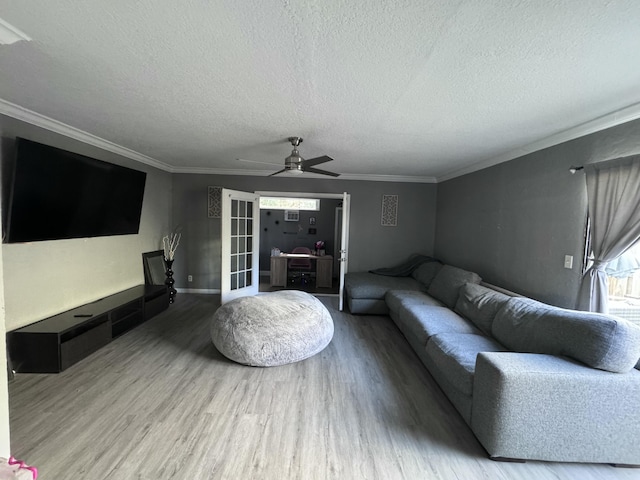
(55, 343)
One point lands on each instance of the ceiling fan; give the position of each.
(294, 164)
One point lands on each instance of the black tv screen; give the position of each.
(57, 194)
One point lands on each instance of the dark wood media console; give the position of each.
(55, 343)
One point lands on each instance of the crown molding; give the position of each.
(23, 114)
(220, 171)
(601, 123)
(388, 178)
(609, 120)
(10, 34)
(343, 176)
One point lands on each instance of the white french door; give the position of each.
(344, 245)
(240, 274)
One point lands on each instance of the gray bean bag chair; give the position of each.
(272, 328)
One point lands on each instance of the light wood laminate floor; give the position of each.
(161, 403)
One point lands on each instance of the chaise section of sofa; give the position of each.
(365, 291)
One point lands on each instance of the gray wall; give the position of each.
(371, 244)
(514, 223)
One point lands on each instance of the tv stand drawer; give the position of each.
(83, 345)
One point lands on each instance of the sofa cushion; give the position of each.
(426, 272)
(455, 354)
(423, 321)
(601, 341)
(396, 298)
(447, 282)
(480, 305)
(370, 285)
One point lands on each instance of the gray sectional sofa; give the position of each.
(533, 381)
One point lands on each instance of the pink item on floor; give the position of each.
(14, 469)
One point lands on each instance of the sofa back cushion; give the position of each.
(426, 272)
(601, 341)
(447, 283)
(480, 305)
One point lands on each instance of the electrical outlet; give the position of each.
(190, 278)
(568, 261)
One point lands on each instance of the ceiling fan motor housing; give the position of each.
(293, 163)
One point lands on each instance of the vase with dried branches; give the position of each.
(170, 244)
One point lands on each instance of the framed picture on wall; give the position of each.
(312, 220)
(291, 215)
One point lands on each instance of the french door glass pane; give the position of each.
(241, 243)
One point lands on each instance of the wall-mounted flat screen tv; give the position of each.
(57, 194)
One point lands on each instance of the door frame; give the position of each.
(342, 250)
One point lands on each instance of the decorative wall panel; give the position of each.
(389, 210)
(215, 202)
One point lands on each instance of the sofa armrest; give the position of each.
(543, 407)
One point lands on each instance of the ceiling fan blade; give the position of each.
(316, 161)
(279, 171)
(261, 163)
(321, 172)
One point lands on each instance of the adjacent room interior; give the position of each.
(365, 138)
(295, 225)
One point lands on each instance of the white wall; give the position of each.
(45, 278)
(5, 448)
(40, 279)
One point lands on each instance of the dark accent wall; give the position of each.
(275, 232)
(371, 245)
(513, 223)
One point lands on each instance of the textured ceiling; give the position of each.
(414, 88)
